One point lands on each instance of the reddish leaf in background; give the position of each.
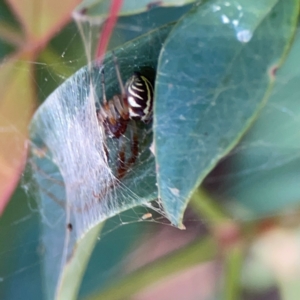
(16, 107)
(108, 28)
(42, 19)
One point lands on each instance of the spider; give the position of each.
(134, 103)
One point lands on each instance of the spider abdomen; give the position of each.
(139, 92)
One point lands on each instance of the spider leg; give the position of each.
(122, 88)
(134, 143)
(105, 148)
(106, 110)
(124, 166)
(122, 105)
(122, 109)
(121, 164)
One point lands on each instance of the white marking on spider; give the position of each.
(132, 102)
(133, 93)
(132, 113)
(137, 89)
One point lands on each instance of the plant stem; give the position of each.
(197, 252)
(232, 270)
(207, 208)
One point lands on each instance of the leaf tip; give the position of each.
(181, 226)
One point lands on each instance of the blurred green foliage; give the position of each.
(257, 179)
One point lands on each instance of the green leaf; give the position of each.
(132, 26)
(119, 237)
(214, 76)
(100, 8)
(76, 188)
(262, 174)
(20, 262)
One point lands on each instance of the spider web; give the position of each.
(61, 171)
(59, 168)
